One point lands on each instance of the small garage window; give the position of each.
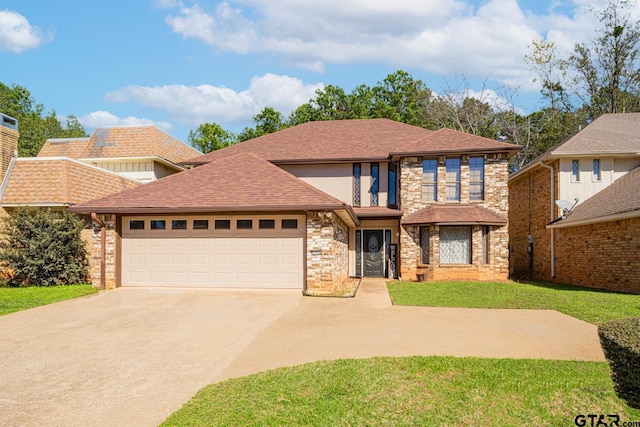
(158, 224)
(244, 224)
(288, 224)
(179, 224)
(136, 224)
(200, 224)
(223, 224)
(267, 224)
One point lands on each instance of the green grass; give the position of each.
(590, 305)
(410, 391)
(17, 299)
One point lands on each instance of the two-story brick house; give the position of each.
(596, 242)
(312, 205)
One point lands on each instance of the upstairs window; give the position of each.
(575, 170)
(453, 179)
(356, 184)
(476, 178)
(375, 183)
(429, 180)
(597, 175)
(392, 194)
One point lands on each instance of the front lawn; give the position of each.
(590, 305)
(16, 299)
(428, 391)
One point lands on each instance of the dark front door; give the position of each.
(373, 259)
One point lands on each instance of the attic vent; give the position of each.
(100, 138)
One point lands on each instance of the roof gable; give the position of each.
(243, 182)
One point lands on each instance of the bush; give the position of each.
(620, 340)
(43, 247)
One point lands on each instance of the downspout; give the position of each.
(553, 234)
(103, 249)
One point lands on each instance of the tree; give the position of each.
(267, 121)
(43, 248)
(400, 97)
(606, 76)
(35, 125)
(211, 136)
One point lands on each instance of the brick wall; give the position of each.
(111, 249)
(327, 251)
(604, 255)
(495, 200)
(8, 146)
(529, 214)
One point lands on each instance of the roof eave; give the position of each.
(605, 218)
(201, 209)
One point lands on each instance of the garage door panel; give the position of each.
(269, 262)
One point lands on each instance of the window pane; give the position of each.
(244, 224)
(289, 224)
(222, 224)
(455, 245)
(179, 224)
(200, 224)
(267, 223)
(136, 224)
(158, 224)
(485, 244)
(453, 179)
(596, 169)
(476, 178)
(575, 170)
(374, 183)
(424, 245)
(429, 180)
(391, 195)
(356, 184)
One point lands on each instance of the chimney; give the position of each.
(8, 142)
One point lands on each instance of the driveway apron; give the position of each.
(133, 356)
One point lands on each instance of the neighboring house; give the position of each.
(67, 172)
(309, 206)
(597, 242)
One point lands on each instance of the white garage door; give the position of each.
(238, 251)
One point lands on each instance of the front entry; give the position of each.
(373, 253)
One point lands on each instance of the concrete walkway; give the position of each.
(134, 356)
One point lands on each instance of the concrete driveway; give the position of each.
(134, 356)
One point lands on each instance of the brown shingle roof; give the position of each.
(42, 181)
(609, 133)
(243, 182)
(621, 197)
(126, 141)
(452, 141)
(454, 214)
(64, 147)
(364, 139)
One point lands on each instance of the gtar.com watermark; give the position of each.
(603, 420)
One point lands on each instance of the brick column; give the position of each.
(95, 259)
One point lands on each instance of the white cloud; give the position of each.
(441, 36)
(194, 105)
(16, 34)
(107, 119)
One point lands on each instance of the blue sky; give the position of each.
(179, 63)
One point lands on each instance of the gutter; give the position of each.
(103, 250)
(553, 234)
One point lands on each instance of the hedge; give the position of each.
(620, 340)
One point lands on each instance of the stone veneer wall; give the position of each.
(327, 251)
(112, 238)
(603, 255)
(495, 200)
(529, 214)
